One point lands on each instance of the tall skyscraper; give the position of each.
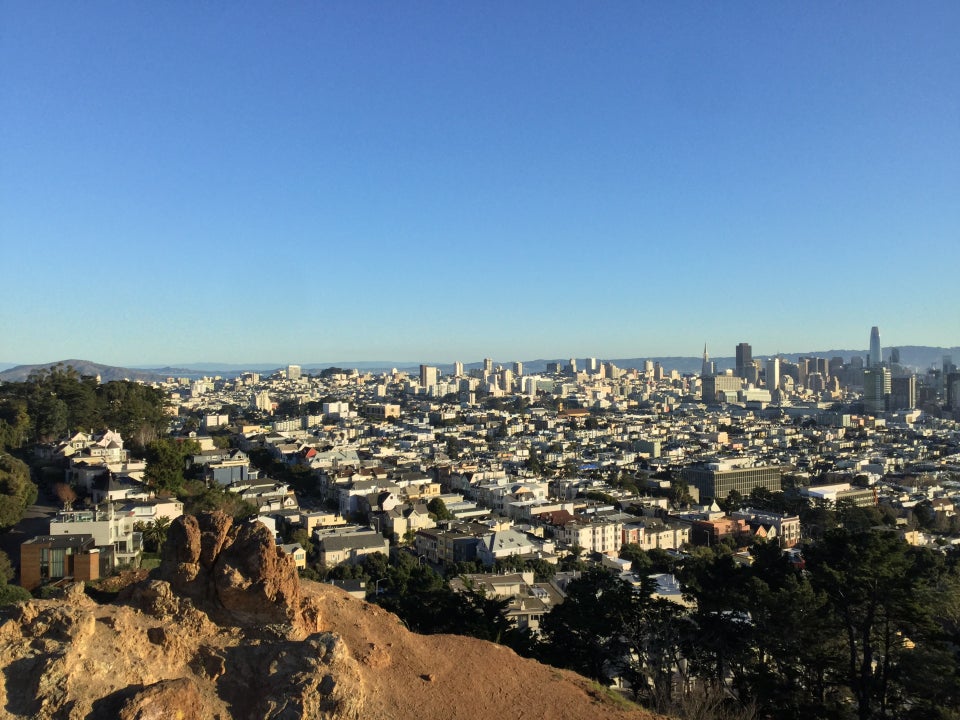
(518, 368)
(487, 366)
(903, 393)
(948, 367)
(428, 376)
(744, 359)
(458, 369)
(876, 389)
(706, 368)
(573, 365)
(648, 368)
(875, 359)
(773, 374)
(952, 390)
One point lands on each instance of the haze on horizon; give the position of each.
(307, 182)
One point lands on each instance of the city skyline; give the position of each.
(305, 182)
(932, 357)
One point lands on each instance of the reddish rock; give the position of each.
(215, 535)
(238, 568)
(166, 699)
(255, 580)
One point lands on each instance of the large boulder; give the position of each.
(237, 568)
(177, 698)
(255, 580)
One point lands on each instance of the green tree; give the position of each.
(10, 594)
(6, 568)
(881, 594)
(302, 537)
(733, 502)
(166, 462)
(438, 509)
(571, 561)
(51, 416)
(136, 411)
(15, 422)
(155, 533)
(585, 632)
(17, 491)
(654, 631)
(680, 493)
(198, 497)
(543, 571)
(640, 562)
(723, 635)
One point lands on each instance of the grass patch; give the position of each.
(611, 695)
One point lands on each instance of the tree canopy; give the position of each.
(17, 491)
(53, 401)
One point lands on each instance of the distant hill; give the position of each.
(107, 373)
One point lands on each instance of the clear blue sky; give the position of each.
(309, 182)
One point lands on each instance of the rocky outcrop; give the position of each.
(226, 631)
(177, 699)
(237, 569)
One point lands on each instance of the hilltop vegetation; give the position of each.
(49, 403)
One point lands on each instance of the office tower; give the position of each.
(835, 366)
(591, 365)
(816, 382)
(720, 388)
(789, 370)
(874, 359)
(773, 374)
(876, 389)
(716, 480)
(744, 359)
(428, 376)
(518, 368)
(487, 366)
(506, 380)
(952, 390)
(803, 370)
(903, 393)
(293, 372)
(573, 365)
(458, 369)
(707, 367)
(895, 356)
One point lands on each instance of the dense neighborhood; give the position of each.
(518, 487)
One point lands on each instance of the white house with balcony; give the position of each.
(112, 531)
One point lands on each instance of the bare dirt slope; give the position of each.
(452, 677)
(226, 630)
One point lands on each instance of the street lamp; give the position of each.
(376, 586)
(420, 560)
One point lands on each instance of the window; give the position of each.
(56, 562)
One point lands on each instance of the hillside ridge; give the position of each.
(225, 629)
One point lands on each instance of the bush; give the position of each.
(10, 594)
